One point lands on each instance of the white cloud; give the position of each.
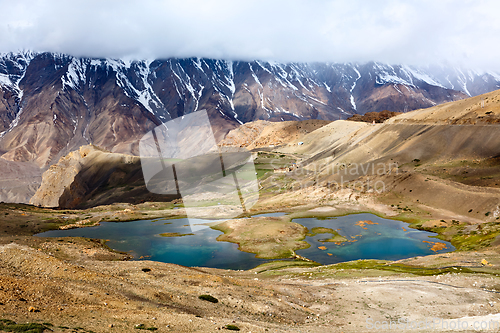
(414, 32)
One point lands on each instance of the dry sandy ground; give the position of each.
(70, 288)
(263, 133)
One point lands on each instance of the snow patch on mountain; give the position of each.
(462, 79)
(255, 75)
(143, 93)
(5, 80)
(353, 103)
(420, 75)
(147, 97)
(386, 74)
(20, 62)
(75, 74)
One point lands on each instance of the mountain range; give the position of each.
(51, 104)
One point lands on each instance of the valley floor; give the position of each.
(79, 285)
(82, 294)
(437, 169)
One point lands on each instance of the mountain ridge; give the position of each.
(51, 104)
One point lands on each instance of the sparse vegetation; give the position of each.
(143, 327)
(382, 265)
(232, 327)
(208, 298)
(270, 237)
(174, 234)
(336, 237)
(7, 325)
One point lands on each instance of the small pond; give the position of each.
(367, 236)
(142, 239)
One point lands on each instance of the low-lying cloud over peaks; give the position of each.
(412, 32)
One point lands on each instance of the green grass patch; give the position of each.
(282, 264)
(174, 234)
(232, 327)
(401, 268)
(336, 237)
(7, 325)
(471, 242)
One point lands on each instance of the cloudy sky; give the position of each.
(413, 31)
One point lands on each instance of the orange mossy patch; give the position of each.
(363, 223)
(436, 246)
(484, 262)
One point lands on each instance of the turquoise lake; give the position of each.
(385, 239)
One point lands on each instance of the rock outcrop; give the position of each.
(91, 176)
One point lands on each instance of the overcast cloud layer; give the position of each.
(415, 32)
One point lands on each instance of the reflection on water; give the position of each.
(368, 237)
(363, 236)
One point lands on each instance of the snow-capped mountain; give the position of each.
(54, 103)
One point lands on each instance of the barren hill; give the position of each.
(263, 133)
(90, 176)
(18, 180)
(446, 157)
(482, 109)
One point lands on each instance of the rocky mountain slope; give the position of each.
(18, 180)
(377, 117)
(51, 104)
(90, 176)
(445, 157)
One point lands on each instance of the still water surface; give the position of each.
(385, 239)
(378, 239)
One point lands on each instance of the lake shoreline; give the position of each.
(269, 236)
